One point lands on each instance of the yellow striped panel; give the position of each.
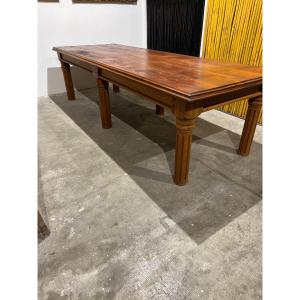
(233, 33)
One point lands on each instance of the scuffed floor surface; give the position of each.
(120, 228)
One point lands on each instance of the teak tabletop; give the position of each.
(186, 85)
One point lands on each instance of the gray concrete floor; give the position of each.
(120, 228)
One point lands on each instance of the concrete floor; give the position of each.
(120, 228)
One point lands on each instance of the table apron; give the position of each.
(254, 95)
(158, 96)
(76, 62)
(226, 98)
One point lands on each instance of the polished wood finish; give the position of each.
(104, 103)
(253, 112)
(185, 122)
(68, 80)
(159, 110)
(116, 88)
(183, 150)
(187, 77)
(186, 85)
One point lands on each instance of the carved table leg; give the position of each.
(160, 110)
(183, 148)
(68, 80)
(116, 88)
(104, 103)
(254, 108)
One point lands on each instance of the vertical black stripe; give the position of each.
(175, 25)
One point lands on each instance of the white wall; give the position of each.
(65, 24)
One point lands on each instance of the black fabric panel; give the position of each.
(175, 25)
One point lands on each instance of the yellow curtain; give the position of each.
(233, 33)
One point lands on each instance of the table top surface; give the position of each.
(185, 75)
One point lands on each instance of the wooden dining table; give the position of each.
(187, 86)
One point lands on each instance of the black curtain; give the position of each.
(175, 25)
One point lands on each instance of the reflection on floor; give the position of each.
(120, 228)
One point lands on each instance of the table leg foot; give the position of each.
(160, 110)
(104, 103)
(254, 108)
(68, 80)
